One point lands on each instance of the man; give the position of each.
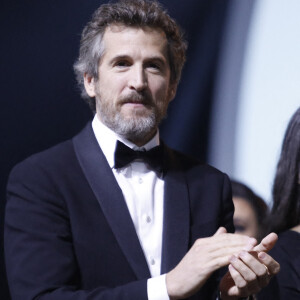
(92, 219)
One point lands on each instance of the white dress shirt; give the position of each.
(143, 192)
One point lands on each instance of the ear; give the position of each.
(172, 91)
(89, 84)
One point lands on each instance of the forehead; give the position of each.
(120, 38)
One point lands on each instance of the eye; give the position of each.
(154, 66)
(239, 228)
(122, 63)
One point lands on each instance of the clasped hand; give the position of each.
(250, 267)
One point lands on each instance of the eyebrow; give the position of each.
(159, 59)
(119, 57)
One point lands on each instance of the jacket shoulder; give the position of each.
(183, 162)
(47, 159)
(56, 158)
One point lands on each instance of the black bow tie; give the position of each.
(125, 155)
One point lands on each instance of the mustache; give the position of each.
(134, 97)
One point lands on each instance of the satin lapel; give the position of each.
(110, 198)
(176, 217)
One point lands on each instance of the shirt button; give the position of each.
(152, 261)
(140, 180)
(148, 219)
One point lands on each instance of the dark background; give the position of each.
(40, 103)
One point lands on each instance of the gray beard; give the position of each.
(137, 128)
(133, 129)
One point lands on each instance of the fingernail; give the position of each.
(262, 255)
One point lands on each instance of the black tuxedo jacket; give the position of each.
(69, 234)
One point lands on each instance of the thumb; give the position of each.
(267, 243)
(221, 230)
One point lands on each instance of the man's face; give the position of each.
(133, 87)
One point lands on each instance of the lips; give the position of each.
(135, 104)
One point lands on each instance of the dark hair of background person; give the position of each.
(129, 13)
(285, 213)
(258, 205)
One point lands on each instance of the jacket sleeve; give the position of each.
(40, 259)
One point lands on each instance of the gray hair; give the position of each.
(134, 13)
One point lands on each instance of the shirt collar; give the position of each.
(107, 140)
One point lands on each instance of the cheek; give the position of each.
(112, 83)
(159, 89)
(110, 90)
(252, 227)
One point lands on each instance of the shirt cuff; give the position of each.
(157, 288)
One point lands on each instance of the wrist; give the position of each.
(171, 287)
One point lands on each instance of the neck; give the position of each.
(143, 140)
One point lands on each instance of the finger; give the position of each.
(250, 242)
(271, 264)
(229, 240)
(246, 273)
(240, 287)
(234, 247)
(227, 286)
(221, 230)
(220, 241)
(257, 267)
(230, 245)
(267, 243)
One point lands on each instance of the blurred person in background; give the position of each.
(250, 210)
(285, 215)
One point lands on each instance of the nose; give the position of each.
(138, 79)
